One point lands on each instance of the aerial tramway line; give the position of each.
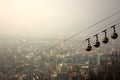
(89, 47)
(72, 36)
(105, 39)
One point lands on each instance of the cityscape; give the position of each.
(18, 60)
(59, 39)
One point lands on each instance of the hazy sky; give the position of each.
(47, 16)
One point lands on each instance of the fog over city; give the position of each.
(59, 39)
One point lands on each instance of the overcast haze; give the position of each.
(50, 16)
